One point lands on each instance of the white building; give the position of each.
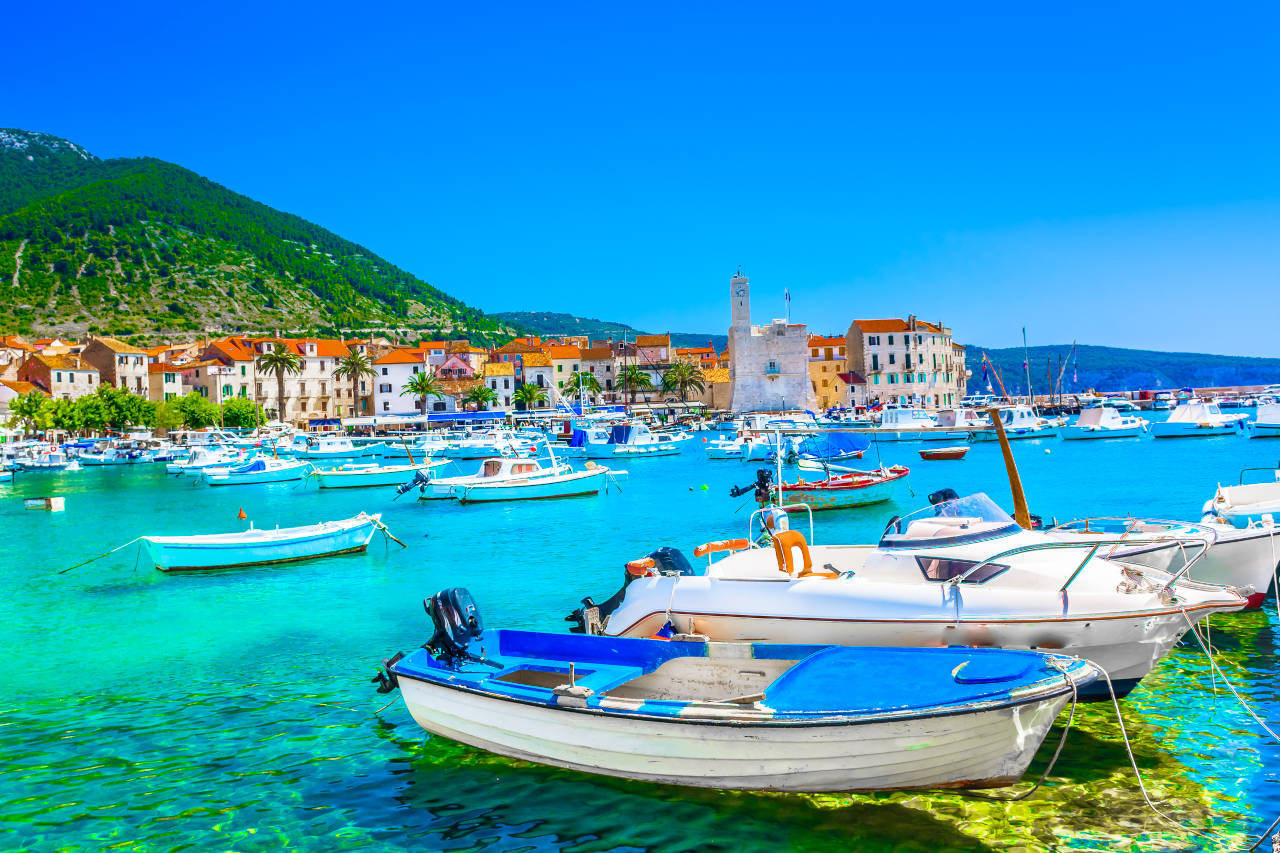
(768, 365)
(910, 362)
(392, 373)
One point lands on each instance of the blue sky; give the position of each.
(1102, 174)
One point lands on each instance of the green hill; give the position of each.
(549, 323)
(144, 247)
(1115, 369)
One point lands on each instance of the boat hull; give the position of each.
(256, 478)
(1074, 433)
(1164, 429)
(168, 555)
(840, 498)
(980, 749)
(1257, 430)
(1013, 433)
(576, 485)
(387, 475)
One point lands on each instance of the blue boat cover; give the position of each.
(834, 445)
(252, 468)
(579, 438)
(620, 434)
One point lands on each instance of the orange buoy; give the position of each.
(242, 516)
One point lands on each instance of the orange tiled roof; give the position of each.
(499, 368)
(15, 342)
(955, 345)
(18, 386)
(236, 349)
(520, 346)
(325, 347)
(697, 350)
(564, 352)
(165, 367)
(428, 345)
(597, 353)
(890, 325)
(537, 359)
(927, 326)
(653, 340)
(826, 341)
(715, 374)
(120, 346)
(64, 362)
(400, 356)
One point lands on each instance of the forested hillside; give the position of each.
(549, 323)
(141, 246)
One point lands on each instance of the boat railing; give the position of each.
(751, 536)
(1275, 472)
(1202, 545)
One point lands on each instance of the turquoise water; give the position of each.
(232, 710)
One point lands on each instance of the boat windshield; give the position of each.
(950, 522)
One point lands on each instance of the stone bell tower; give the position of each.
(740, 305)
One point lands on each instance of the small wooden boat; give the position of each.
(263, 469)
(956, 452)
(254, 547)
(841, 490)
(566, 484)
(741, 716)
(357, 475)
(51, 504)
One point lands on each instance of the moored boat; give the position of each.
(738, 716)
(332, 447)
(1246, 505)
(262, 469)
(1266, 423)
(1019, 421)
(258, 547)
(937, 453)
(565, 484)
(842, 488)
(491, 471)
(1195, 418)
(1104, 422)
(357, 475)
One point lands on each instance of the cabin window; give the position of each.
(935, 569)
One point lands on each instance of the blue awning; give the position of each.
(324, 422)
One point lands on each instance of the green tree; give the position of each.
(196, 410)
(529, 395)
(354, 367)
(422, 386)
(585, 383)
(633, 380)
(32, 412)
(280, 361)
(93, 412)
(683, 378)
(482, 395)
(168, 415)
(239, 413)
(65, 415)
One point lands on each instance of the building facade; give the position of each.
(827, 371)
(119, 364)
(768, 365)
(909, 362)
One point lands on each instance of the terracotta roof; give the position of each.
(518, 347)
(120, 346)
(64, 362)
(700, 350)
(927, 326)
(499, 368)
(564, 352)
(955, 345)
(15, 342)
(400, 356)
(236, 349)
(853, 377)
(18, 385)
(826, 341)
(204, 362)
(872, 326)
(536, 359)
(165, 367)
(427, 345)
(597, 353)
(325, 347)
(160, 350)
(463, 346)
(653, 340)
(715, 374)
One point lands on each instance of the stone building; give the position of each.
(768, 365)
(827, 371)
(119, 364)
(909, 362)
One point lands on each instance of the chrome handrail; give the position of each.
(786, 508)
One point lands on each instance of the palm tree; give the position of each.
(634, 379)
(530, 395)
(682, 378)
(422, 386)
(587, 383)
(355, 366)
(482, 395)
(280, 360)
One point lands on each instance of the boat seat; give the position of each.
(785, 544)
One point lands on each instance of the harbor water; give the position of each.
(233, 710)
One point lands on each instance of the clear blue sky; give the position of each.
(1107, 173)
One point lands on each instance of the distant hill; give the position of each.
(549, 323)
(141, 247)
(1115, 369)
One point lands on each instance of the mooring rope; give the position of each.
(100, 556)
(1214, 666)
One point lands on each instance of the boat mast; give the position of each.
(1026, 365)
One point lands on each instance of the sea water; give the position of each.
(233, 710)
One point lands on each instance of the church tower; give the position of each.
(740, 306)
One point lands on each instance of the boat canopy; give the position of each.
(620, 434)
(834, 445)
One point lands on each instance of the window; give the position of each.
(873, 340)
(814, 353)
(244, 370)
(875, 380)
(385, 405)
(244, 392)
(892, 358)
(384, 388)
(935, 569)
(891, 340)
(384, 371)
(506, 401)
(170, 377)
(227, 391)
(772, 367)
(875, 361)
(415, 368)
(59, 375)
(893, 379)
(506, 383)
(324, 388)
(437, 406)
(559, 368)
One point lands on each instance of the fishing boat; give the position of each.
(834, 447)
(941, 453)
(1214, 552)
(332, 447)
(493, 443)
(725, 448)
(112, 456)
(748, 716)
(960, 571)
(629, 439)
(1104, 422)
(842, 488)
(261, 469)
(256, 547)
(492, 471)
(1245, 505)
(1197, 418)
(362, 474)
(906, 424)
(202, 457)
(1266, 423)
(49, 458)
(1019, 421)
(565, 484)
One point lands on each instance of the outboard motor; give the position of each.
(591, 618)
(420, 479)
(457, 622)
(764, 479)
(943, 495)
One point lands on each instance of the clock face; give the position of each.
(739, 291)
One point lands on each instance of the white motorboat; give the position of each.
(961, 572)
(1245, 505)
(1163, 401)
(109, 455)
(332, 447)
(498, 442)
(361, 474)
(1020, 421)
(1266, 423)
(491, 471)
(430, 444)
(725, 448)
(1196, 418)
(731, 715)
(50, 458)
(565, 484)
(1104, 422)
(260, 469)
(1245, 559)
(208, 456)
(257, 547)
(629, 439)
(907, 424)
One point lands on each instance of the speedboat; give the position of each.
(1245, 505)
(1266, 423)
(1212, 552)
(1104, 422)
(1163, 401)
(906, 424)
(202, 456)
(255, 547)
(725, 448)
(430, 444)
(525, 472)
(332, 447)
(358, 474)
(1019, 421)
(629, 439)
(960, 572)
(740, 716)
(1195, 418)
(260, 469)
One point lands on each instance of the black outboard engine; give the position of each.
(420, 479)
(591, 618)
(942, 495)
(457, 622)
(764, 479)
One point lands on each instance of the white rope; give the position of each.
(1214, 666)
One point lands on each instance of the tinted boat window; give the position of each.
(944, 570)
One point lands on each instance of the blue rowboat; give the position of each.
(254, 547)
(259, 470)
(753, 716)
(357, 474)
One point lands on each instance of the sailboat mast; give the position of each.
(1026, 364)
